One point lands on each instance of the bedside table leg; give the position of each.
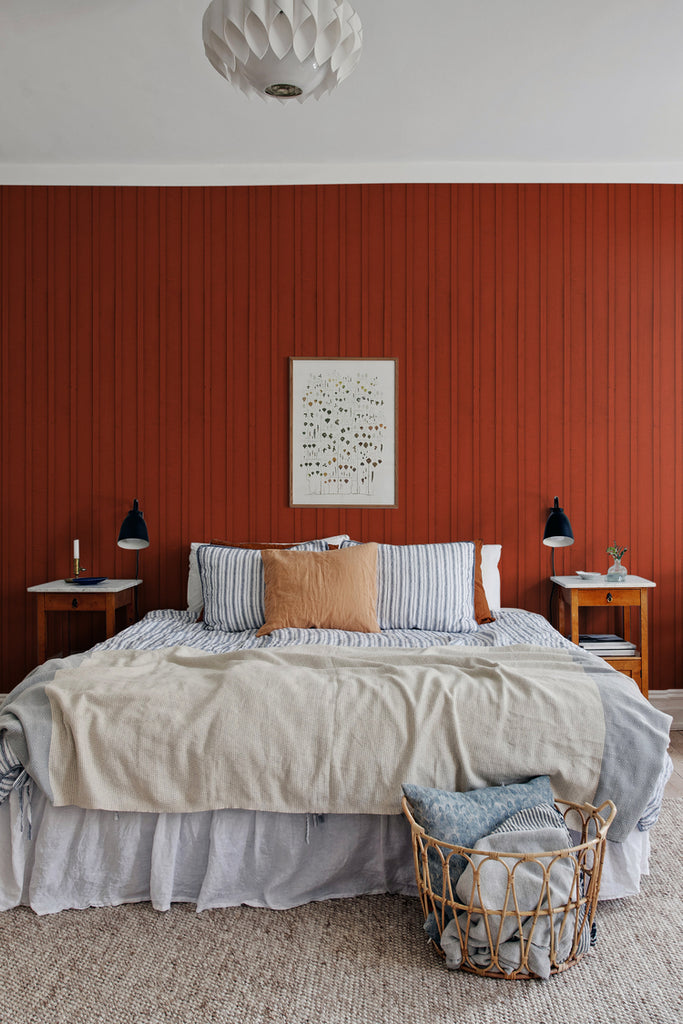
(110, 615)
(626, 613)
(42, 629)
(644, 658)
(575, 618)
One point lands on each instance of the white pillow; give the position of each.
(195, 600)
(336, 542)
(490, 574)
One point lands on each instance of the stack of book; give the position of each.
(607, 645)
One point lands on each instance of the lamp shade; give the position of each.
(133, 533)
(282, 49)
(558, 532)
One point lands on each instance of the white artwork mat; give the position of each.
(343, 432)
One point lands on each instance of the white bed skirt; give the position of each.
(77, 858)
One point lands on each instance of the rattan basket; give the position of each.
(567, 927)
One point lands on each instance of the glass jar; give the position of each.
(616, 572)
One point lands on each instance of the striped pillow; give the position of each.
(195, 599)
(426, 586)
(233, 585)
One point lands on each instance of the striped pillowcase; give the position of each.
(12, 772)
(233, 585)
(426, 586)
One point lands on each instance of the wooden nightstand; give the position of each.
(60, 596)
(631, 593)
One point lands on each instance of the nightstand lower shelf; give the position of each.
(631, 666)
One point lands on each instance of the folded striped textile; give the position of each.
(12, 773)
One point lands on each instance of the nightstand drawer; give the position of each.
(605, 598)
(75, 602)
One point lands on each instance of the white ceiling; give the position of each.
(119, 91)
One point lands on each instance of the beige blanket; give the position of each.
(318, 729)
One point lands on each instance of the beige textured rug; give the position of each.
(360, 961)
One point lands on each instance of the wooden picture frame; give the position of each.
(343, 443)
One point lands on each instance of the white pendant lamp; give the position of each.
(285, 49)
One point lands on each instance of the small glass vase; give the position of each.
(616, 572)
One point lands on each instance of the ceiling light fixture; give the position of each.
(282, 48)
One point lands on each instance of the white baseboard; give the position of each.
(670, 701)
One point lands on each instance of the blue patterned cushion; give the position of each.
(233, 585)
(460, 819)
(426, 586)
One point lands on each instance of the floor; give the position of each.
(675, 785)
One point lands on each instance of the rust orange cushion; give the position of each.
(482, 612)
(321, 589)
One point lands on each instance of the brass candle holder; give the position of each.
(78, 569)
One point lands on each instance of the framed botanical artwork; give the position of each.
(342, 433)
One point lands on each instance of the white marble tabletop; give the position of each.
(570, 582)
(107, 586)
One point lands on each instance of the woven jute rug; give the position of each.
(359, 961)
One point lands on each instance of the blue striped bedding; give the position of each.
(167, 628)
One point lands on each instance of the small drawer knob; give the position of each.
(609, 598)
(74, 603)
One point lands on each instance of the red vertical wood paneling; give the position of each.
(671, 609)
(598, 384)
(484, 461)
(396, 341)
(417, 363)
(145, 342)
(666, 506)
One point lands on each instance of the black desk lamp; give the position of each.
(558, 531)
(557, 534)
(134, 536)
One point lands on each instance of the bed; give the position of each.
(299, 689)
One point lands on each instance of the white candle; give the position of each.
(76, 549)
